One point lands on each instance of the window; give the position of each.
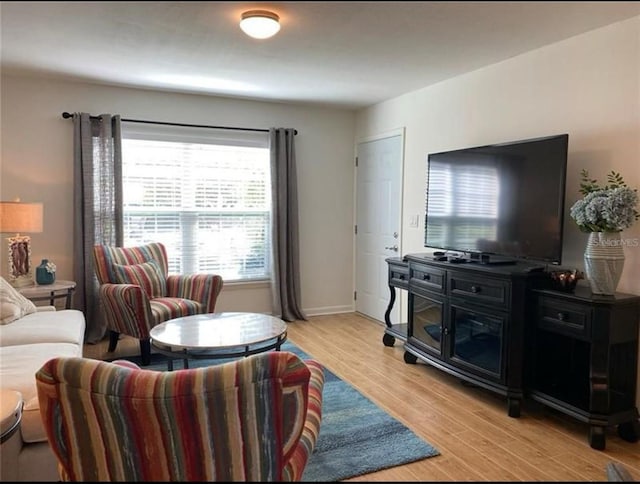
(204, 193)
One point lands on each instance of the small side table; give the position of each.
(10, 441)
(50, 292)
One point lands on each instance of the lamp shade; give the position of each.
(20, 217)
(260, 24)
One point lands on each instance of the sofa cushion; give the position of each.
(147, 275)
(64, 326)
(18, 367)
(13, 305)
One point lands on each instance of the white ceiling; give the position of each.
(342, 54)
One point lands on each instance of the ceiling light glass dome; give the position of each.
(260, 24)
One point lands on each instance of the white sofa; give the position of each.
(26, 343)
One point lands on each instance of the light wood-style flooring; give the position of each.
(469, 426)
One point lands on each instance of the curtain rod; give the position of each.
(67, 115)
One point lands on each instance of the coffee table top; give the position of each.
(217, 331)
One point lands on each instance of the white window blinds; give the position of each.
(204, 193)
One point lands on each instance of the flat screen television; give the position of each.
(499, 203)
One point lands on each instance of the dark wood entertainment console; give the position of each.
(500, 328)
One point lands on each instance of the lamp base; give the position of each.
(25, 280)
(20, 274)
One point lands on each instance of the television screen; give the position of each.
(504, 199)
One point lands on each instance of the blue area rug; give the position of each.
(356, 436)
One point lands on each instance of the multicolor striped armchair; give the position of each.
(253, 419)
(137, 292)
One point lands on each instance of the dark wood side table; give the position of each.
(50, 292)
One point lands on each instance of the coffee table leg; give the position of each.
(170, 364)
(186, 363)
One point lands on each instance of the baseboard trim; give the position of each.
(328, 310)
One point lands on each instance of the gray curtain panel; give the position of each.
(285, 279)
(97, 152)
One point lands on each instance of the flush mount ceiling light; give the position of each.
(260, 24)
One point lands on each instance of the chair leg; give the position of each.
(113, 340)
(145, 351)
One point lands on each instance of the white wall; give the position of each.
(587, 86)
(37, 165)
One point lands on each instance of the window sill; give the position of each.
(234, 285)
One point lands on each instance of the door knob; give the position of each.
(394, 248)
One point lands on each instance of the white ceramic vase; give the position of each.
(604, 261)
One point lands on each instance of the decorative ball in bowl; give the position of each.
(565, 280)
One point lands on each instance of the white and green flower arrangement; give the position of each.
(608, 208)
(51, 267)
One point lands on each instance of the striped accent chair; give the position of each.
(136, 292)
(252, 419)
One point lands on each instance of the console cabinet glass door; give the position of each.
(426, 322)
(477, 341)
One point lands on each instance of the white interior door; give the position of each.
(378, 222)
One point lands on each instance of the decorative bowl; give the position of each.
(565, 280)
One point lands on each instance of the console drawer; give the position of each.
(398, 275)
(485, 290)
(564, 317)
(428, 277)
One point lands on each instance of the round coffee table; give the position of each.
(217, 335)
